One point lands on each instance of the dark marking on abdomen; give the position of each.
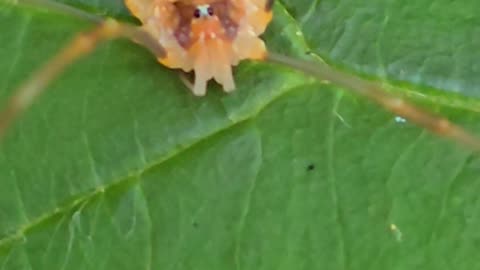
(222, 10)
(182, 35)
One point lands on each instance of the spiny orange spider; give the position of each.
(208, 37)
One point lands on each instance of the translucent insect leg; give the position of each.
(81, 45)
(373, 90)
(185, 80)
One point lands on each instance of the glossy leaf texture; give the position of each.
(118, 166)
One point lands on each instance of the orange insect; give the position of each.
(208, 37)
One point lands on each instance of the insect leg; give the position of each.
(186, 80)
(373, 90)
(81, 45)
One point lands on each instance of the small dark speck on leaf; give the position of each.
(195, 224)
(311, 167)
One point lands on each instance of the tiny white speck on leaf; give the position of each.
(399, 119)
(396, 232)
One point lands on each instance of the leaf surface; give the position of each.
(118, 166)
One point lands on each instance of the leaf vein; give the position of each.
(333, 182)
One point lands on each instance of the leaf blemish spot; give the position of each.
(400, 120)
(311, 167)
(396, 232)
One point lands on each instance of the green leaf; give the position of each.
(118, 166)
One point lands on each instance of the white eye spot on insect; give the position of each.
(400, 119)
(203, 11)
